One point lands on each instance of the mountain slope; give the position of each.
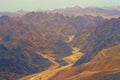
(104, 36)
(104, 66)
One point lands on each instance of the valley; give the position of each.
(56, 67)
(60, 44)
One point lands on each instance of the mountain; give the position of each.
(94, 11)
(98, 47)
(13, 14)
(104, 66)
(17, 49)
(105, 12)
(28, 39)
(113, 8)
(21, 12)
(104, 36)
(101, 53)
(53, 43)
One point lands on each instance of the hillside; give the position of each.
(104, 66)
(104, 36)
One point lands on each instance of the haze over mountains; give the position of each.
(13, 14)
(106, 12)
(64, 44)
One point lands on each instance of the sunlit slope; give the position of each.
(74, 57)
(56, 67)
(104, 66)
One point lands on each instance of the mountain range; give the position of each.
(105, 12)
(64, 44)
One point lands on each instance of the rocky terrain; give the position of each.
(56, 46)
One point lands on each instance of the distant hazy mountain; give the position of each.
(113, 8)
(13, 14)
(106, 12)
(94, 11)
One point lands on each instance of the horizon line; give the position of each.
(103, 7)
